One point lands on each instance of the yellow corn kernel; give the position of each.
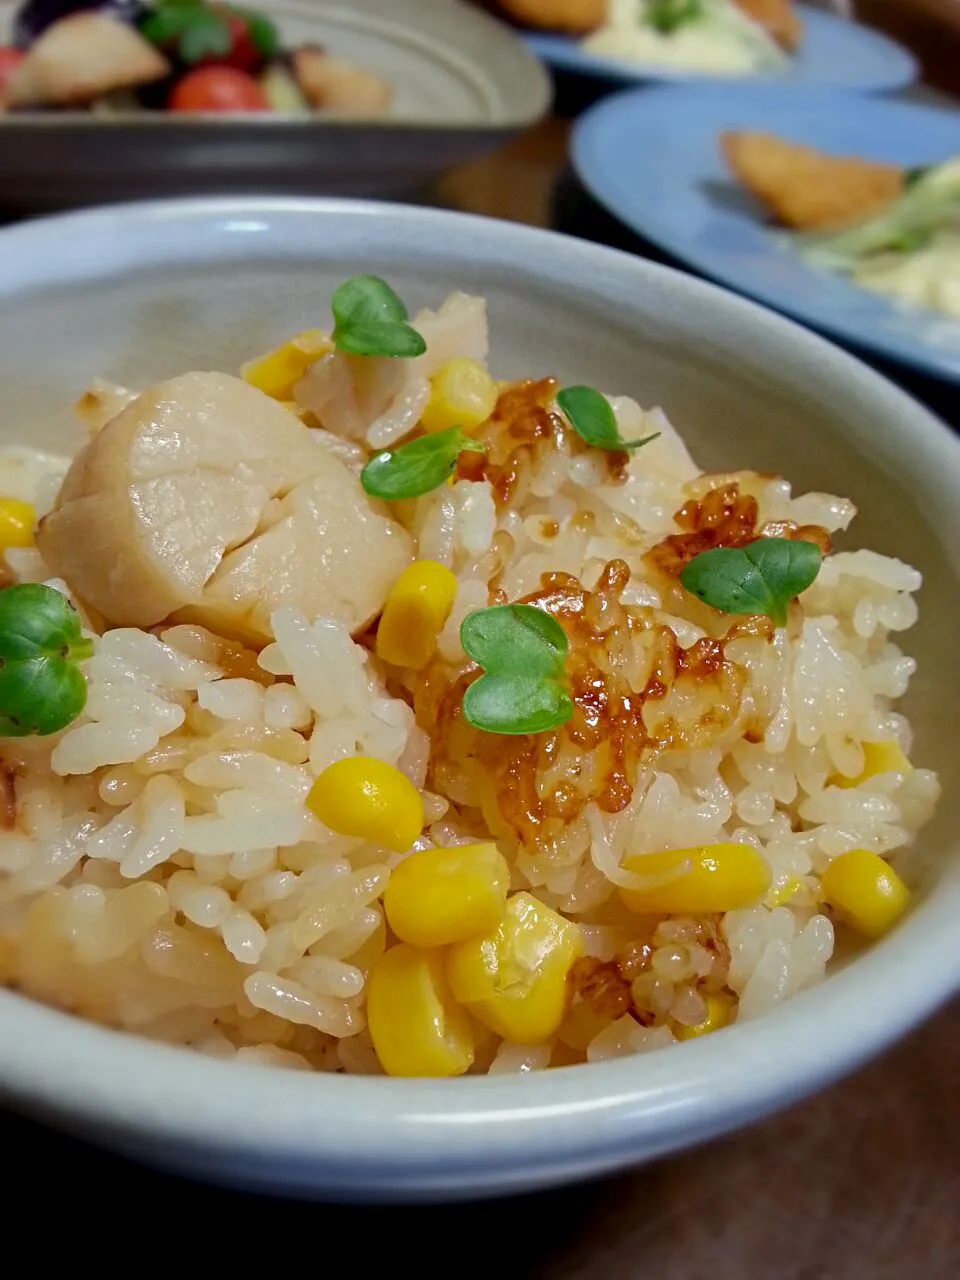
(462, 394)
(878, 757)
(417, 607)
(514, 978)
(364, 797)
(865, 892)
(416, 1026)
(718, 1015)
(276, 372)
(711, 877)
(439, 896)
(17, 523)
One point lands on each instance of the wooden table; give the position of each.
(859, 1183)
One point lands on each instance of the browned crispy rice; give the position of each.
(778, 17)
(577, 17)
(806, 188)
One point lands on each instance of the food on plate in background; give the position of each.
(893, 230)
(364, 713)
(707, 35)
(577, 17)
(779, 17)
(178, 55)
(10, 59)
(807, 188)
(217, 89)
(722, 36)
(337, 86)
(80, 58)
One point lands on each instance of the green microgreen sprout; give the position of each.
(418, 467)
(522, 651)
(370, 320)
(42, 688)
(590, 415)
(762, 577)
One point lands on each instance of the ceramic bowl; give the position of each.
(138, 293)
(463, 84)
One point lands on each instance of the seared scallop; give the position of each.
(203, 499)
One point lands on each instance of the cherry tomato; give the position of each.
(10, 59)
(243, 52)
(217, 89)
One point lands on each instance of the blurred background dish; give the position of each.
(654, 160)
(458, 82)
(767, 39)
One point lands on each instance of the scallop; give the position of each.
(204, 500)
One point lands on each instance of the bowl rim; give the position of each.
(506, 1130)
(536, 85)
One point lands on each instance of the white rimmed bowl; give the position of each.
(141, 292)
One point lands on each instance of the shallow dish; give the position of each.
(678, 192)
(463, 84)
(833, 52)
(140, 292)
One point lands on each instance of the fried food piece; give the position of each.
(576, 17)
(806, 188)
(778, 18)
(331, 85)
(81, 57)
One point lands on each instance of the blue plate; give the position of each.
(651, 157)
(833, 52)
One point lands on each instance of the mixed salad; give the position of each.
(172, 55)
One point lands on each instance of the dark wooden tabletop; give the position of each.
(859, 1183)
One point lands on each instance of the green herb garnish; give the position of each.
(590, 415)
(762, 577)
(418, 467)
(262, 32)
(372, 321)
(193, 30)
(41, 686)
(522, 651)
(667, 16)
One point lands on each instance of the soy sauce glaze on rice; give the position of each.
(391, 719)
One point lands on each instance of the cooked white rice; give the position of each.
(160, 872)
